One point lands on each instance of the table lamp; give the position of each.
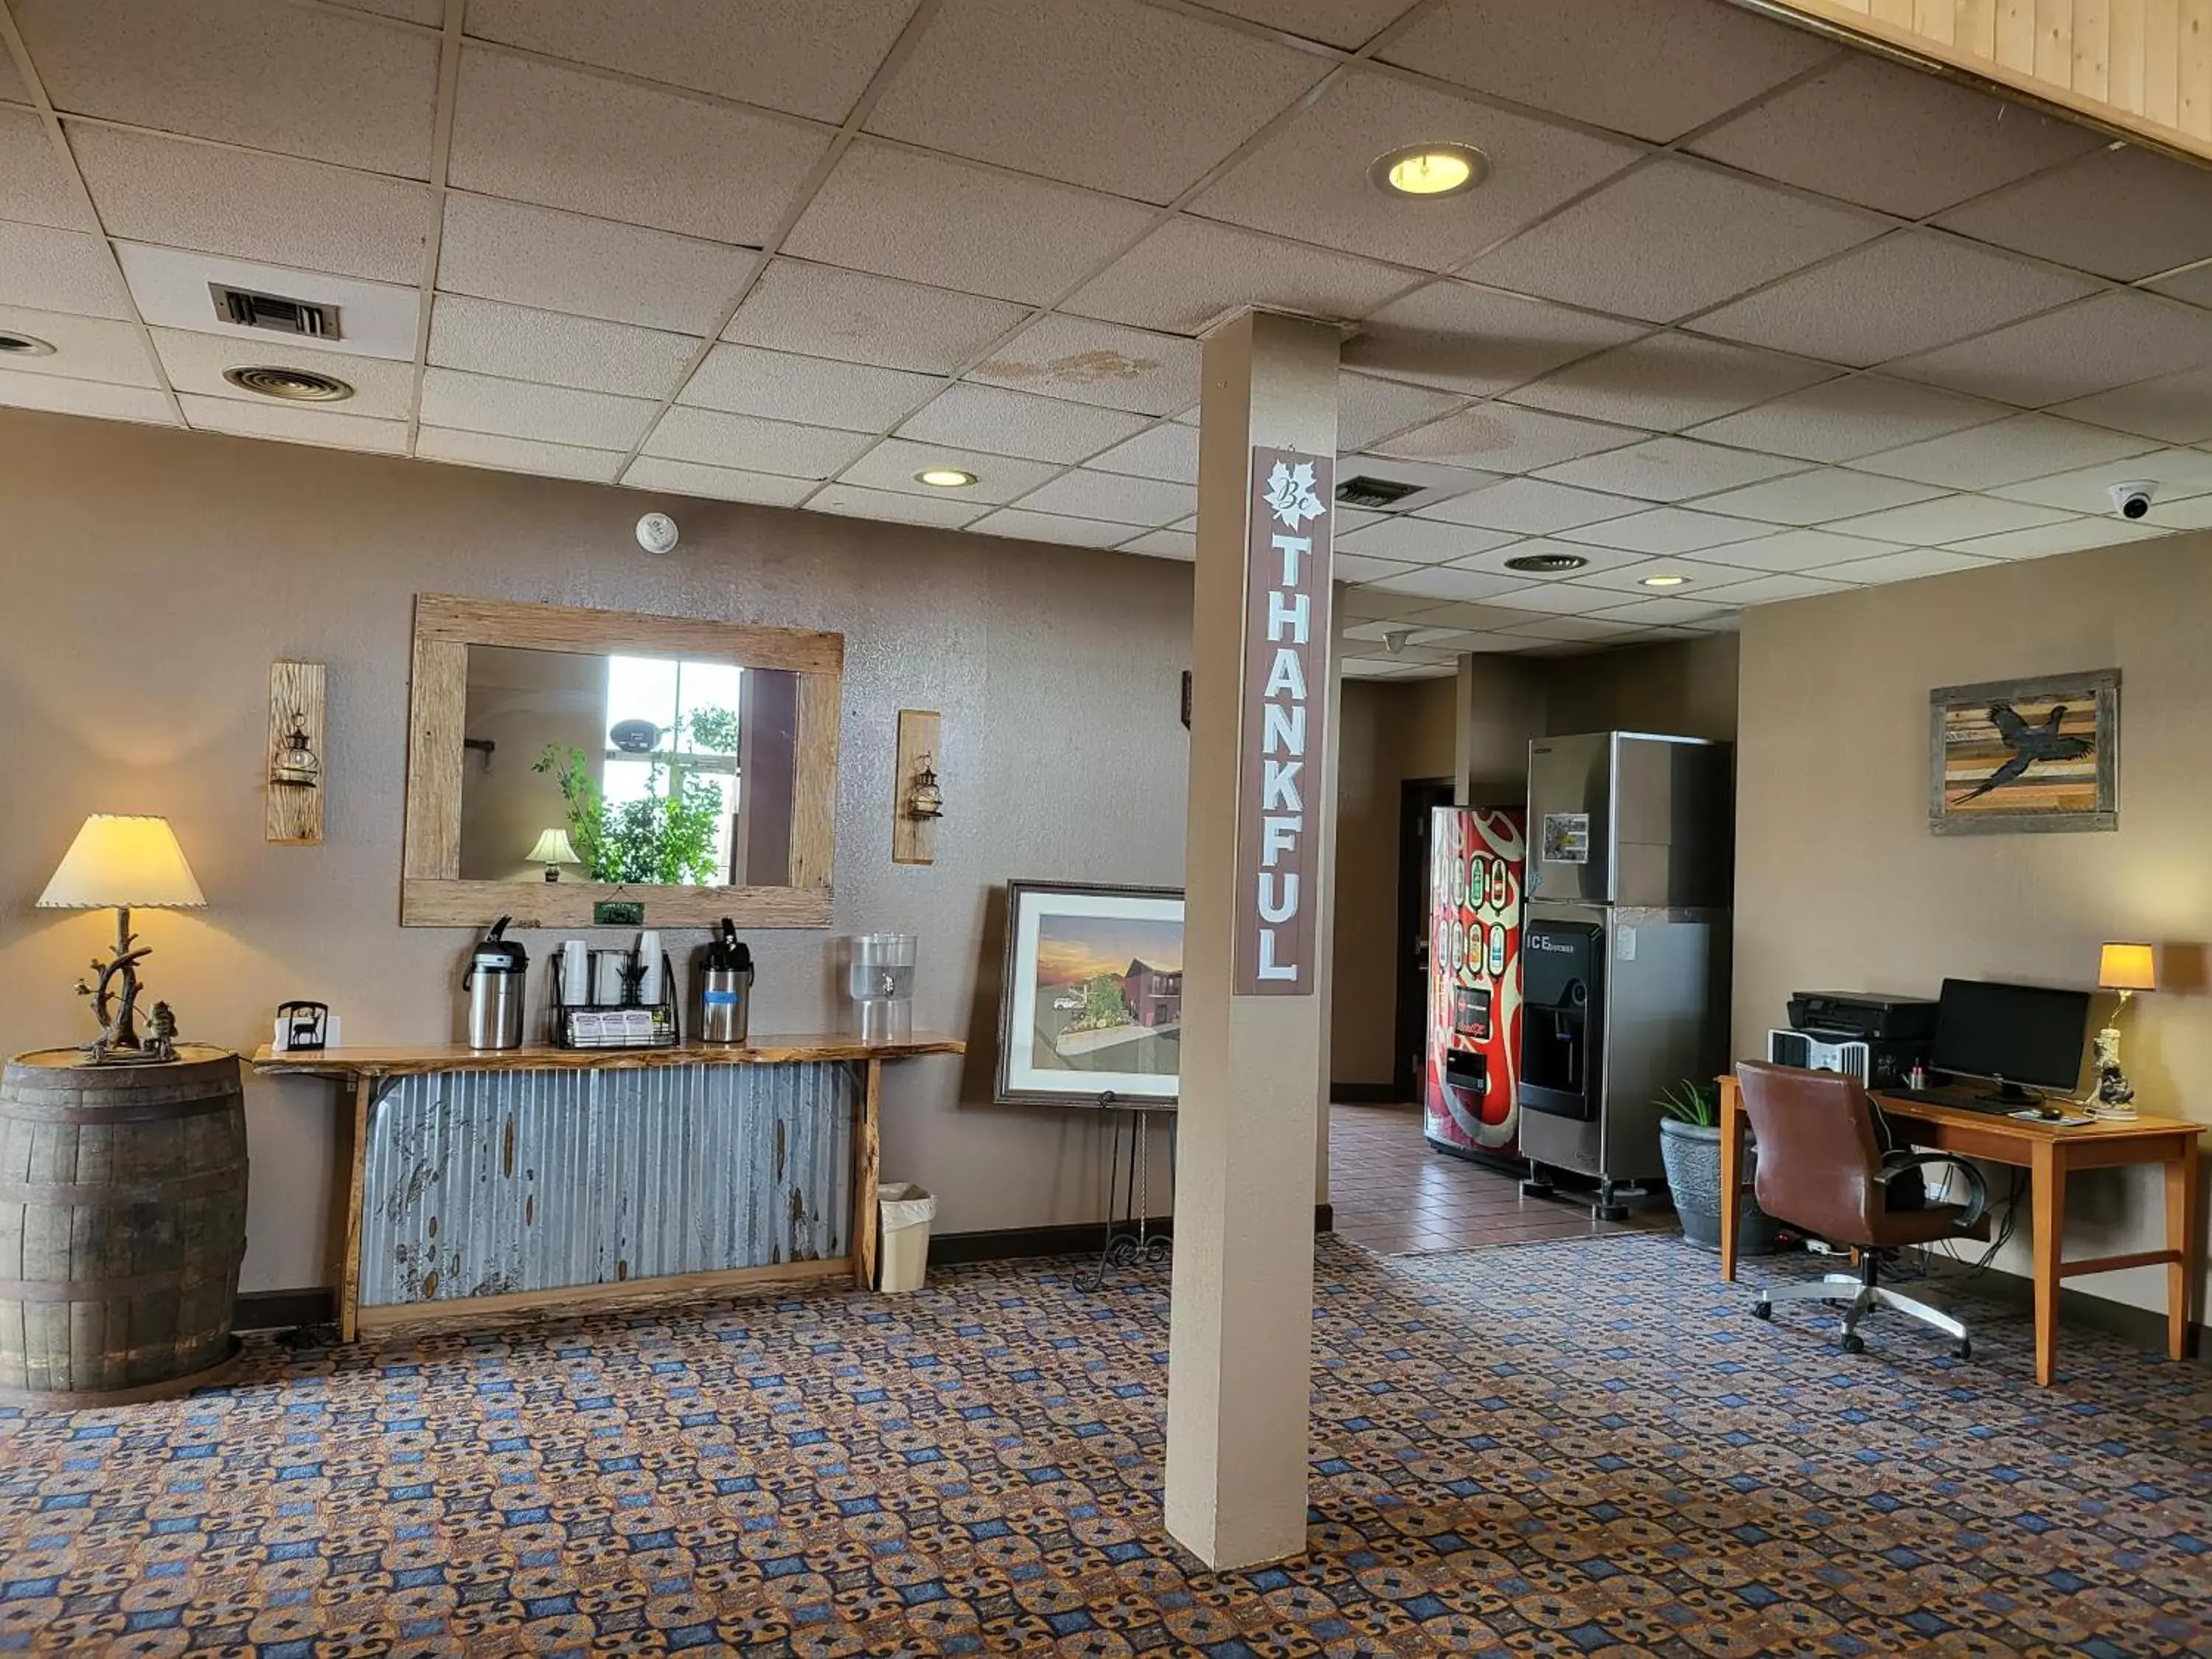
(127, 864)
(2126, 969)
(553, 851)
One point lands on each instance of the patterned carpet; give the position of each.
(1583, 1447)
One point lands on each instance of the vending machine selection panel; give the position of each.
(1469, 1085)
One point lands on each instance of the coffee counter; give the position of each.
(482, 1182)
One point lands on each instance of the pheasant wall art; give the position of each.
(2014, 755)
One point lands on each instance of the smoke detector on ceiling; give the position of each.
(294, 385)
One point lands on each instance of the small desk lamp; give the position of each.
(2126, 969)
(553, 851)
(126, 863)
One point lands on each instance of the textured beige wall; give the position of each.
(1840, 886)
(1687, 689)
(151, 577)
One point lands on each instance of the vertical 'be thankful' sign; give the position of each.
(1279, 797)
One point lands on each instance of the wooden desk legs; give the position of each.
(1731, 1175)
(2047, 1174)
(867, 1171)
(2181, 1173)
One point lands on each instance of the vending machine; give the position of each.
(1469, 1087)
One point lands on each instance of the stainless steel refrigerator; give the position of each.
(1623, 949)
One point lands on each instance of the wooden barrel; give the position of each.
(121, 1223)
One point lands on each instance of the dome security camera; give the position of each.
(2132, 499)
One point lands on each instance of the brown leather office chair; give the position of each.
(1821, 1169)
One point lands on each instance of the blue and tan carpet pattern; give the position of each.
(1574, 1449)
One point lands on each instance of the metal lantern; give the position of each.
(927, 801)
(296, 766)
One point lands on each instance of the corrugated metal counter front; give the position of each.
(541, 1180)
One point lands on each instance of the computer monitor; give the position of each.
(2021, 1034)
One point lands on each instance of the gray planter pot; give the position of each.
(1692, 1153)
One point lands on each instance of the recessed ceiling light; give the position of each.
(1429, 171)
(1540, 564)
(293, 385)
(1667, 580)
(25, 345)
(944, 477)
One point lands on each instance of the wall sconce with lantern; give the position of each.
(296, 771)
(918, 798)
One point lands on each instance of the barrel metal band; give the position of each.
(31, 1111)
(51, 1195)
(212, 1270)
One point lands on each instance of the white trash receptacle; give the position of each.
(907, 1211)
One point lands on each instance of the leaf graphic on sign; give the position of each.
(1291, 493)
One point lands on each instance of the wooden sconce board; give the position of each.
(294, 815)
(913, 841)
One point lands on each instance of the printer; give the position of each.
(1877, 1038)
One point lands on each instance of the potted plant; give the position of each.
(1690, 1146)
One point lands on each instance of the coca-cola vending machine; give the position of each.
(1474, 980)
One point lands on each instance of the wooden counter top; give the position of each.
(775, 1050)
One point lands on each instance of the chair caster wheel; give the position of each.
(1962, 1349)
(1853, 1343)
(1762, 1310)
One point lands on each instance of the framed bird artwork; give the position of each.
(2025, 755)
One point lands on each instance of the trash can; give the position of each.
(907, 1211)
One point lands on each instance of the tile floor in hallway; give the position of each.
(1392, 1192)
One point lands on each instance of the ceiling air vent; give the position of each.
(1547, 564)
(274, 312)
(1376, 494)
(295, 385)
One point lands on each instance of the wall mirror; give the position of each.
(563, 759)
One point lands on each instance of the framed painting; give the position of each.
(2025, 755)
(1092, 1003)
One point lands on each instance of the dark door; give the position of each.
(1417, 798)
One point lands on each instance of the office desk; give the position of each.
(2049, 1153)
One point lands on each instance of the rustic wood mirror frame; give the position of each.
(432, 892)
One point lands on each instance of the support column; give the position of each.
(1257, 874)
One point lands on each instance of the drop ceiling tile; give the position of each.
(932, 219)
(293, 423)
(1484, 644)
(1345, 23)
(721, 483)
(1368, 409)
(1795, 550)
(1442, 582)
(1703, 577)
(1087, 495)
(1665, 382)
(1054, 527)
(254, 72)
(535, 131)
(172, 288)
(1560, 598)
(1354, 568)
(1815, 497)
(1947, 519)
(1499, 560)
(1190, 273)
(809, 58)
(2177, 472)
(2092, 346)
(1477, 340)
(84, 348)
(1678, 612)
(428, 12)
(892, 465)
(1503, 438)
(749, 443)
(1165, 544)
(34, 187)
(64, 270)
(517, 454)
(1842, 420)
(2123, 212)
(1771, 589)
(383, 389)
(2006, 452)
(1669, 470)
(521, 344)
(1577, 628)
(1109, 94)
(1886, 137)
(1908, 565)
(2194, 284)
(564, 262)
(1003, 422)
(12, 91)
(945, 509)
(1088, 361)
(2067, 536)
(1653, 68)
(518, 409)
(1369, 601)
(2175, 408)
(821, 310)
(743, 380)
(1906, 293)
(1418, 541)
(1310, 179)
(1665, 530)
(180, 194)
(2193, 513)
(1728, 622)
(1167, 450)
(66, 397)
(1361, 668)
(1530, 507)
(1671, 238)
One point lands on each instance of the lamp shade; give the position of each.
(125, 863)
(553, 848)
(2127, 968)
